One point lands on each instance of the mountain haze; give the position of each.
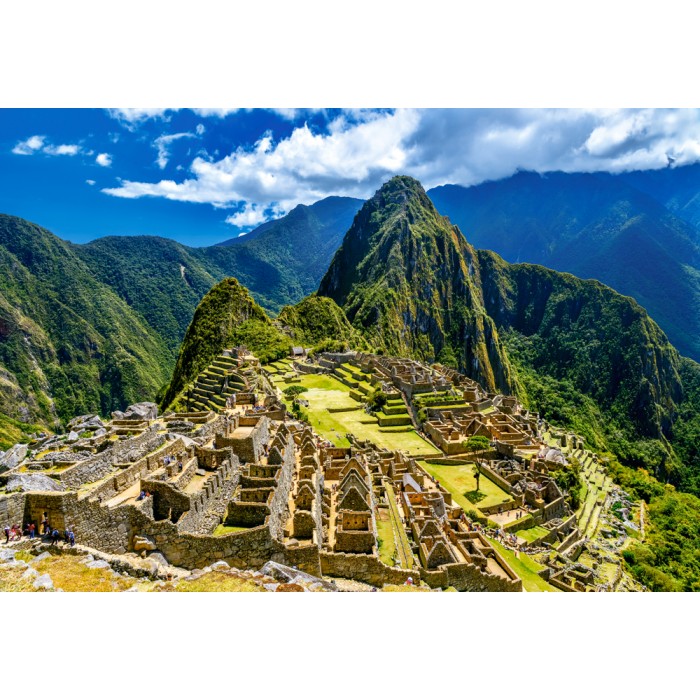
(594, 226)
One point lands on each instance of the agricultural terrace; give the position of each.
(332, 414)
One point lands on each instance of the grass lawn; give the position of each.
(459, 479)
(532, 533)
(526, 568)
(324, 392)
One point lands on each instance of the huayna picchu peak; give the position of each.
(408, 280)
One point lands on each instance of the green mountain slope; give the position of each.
(68, 343)
(408, 281)
(593, 226)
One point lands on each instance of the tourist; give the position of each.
(409, 581)
(7, 533)
(32, 529)
(71, 537)
(55, 536)
(141, 496)
(45, 523)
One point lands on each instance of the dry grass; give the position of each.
(69, 574)
(215, 582)
(11, 581)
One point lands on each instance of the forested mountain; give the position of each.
(68, 343)
(594, 226)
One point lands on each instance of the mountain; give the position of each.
(581, 353)
(68, 343)
(91, 328)
(280, 262)
(407, 280)
(677, 188)
(593, 226)
(228, 316)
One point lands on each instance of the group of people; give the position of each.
(143, 495)
(15, 533)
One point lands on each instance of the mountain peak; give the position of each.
(404, 276)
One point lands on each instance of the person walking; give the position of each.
(55, 536)
(7, 533)
(32, 530)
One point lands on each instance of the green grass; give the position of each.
(227, 529)
(526, 568)
(387, 549)
(532, 533)
(324, 392)
(459, 480)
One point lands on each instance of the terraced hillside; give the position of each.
(219, 382)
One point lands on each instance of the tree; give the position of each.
(477, 474)
(291, 392)
(377, 400)
(477, 443)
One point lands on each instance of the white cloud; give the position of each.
(162, 144)
(302, 168)
(131, 117)
(37, 144)
(251, 215)
(64, 149)
(90, 182)
(361, 149)
(200, 129)
(31, 145)
(219, 112)
(104, 159)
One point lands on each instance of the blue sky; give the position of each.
(202, 176)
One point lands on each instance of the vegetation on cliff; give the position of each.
(226, 317)
(407, 281)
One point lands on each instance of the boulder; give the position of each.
(98, 564)
(143, 544)
(158, 558)
(287, 574)
(32, 482)
(220, 566)
(41, 557)
(43, 583)
(73, 436)
(13, 457)
(86, 422)
(7, 555)
(140, 411)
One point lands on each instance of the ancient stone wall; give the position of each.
(124, 451)
(362, 567)
(12, 509)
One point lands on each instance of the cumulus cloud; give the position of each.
(360, 149)
(31, 145)
(38, 144)
(104, 159)
(302, 168)
(90, 182)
